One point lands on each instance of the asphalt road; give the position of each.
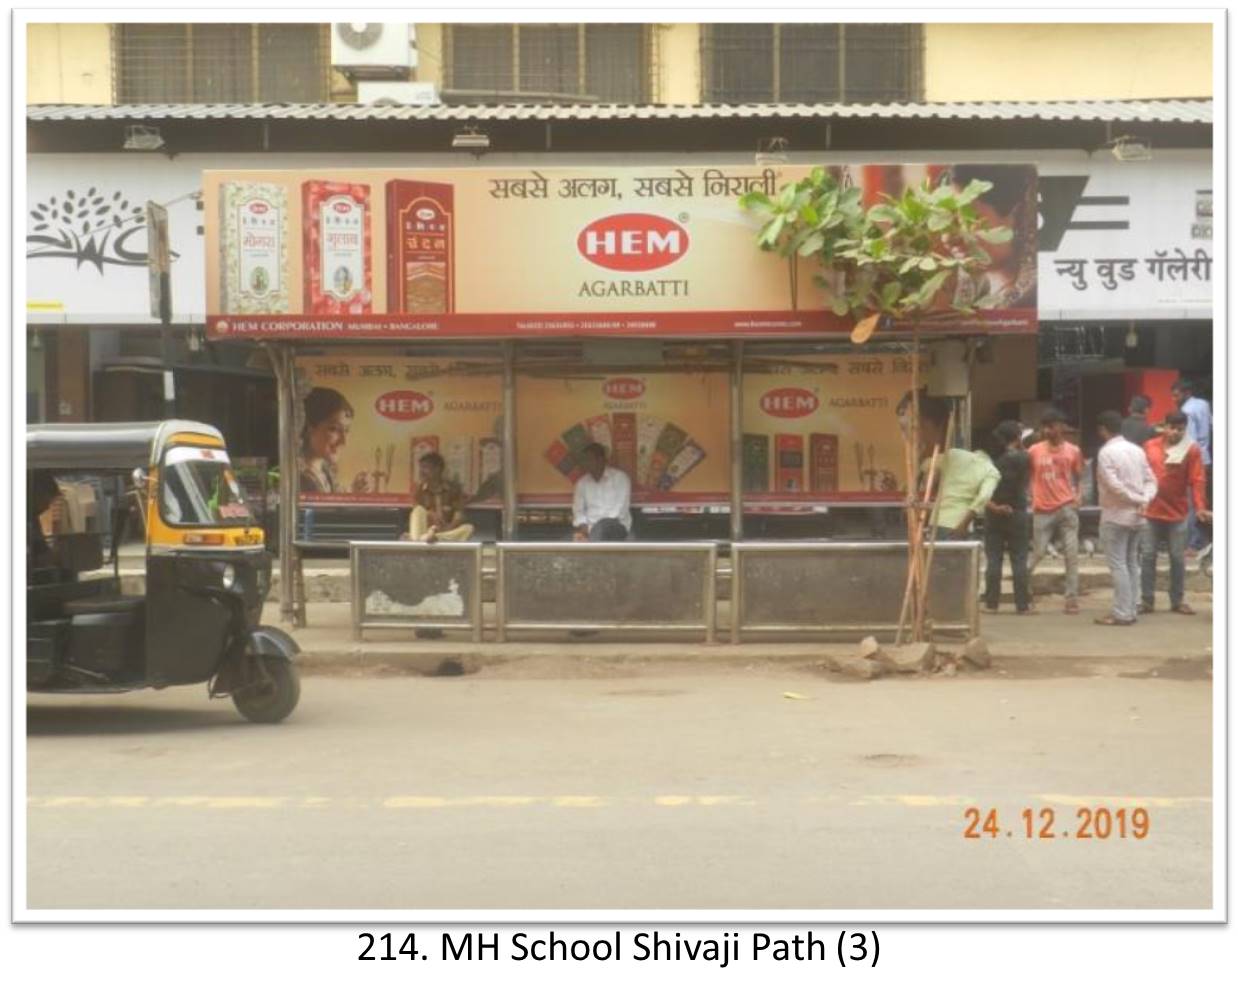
(670, 790)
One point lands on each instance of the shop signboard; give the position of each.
(542, 252)
(1125, 240)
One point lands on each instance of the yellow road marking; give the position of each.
(1129, 801)
(914, 801)
(321, 802)
(414, 802)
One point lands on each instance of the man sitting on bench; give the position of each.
(602, 505)
(439, 510)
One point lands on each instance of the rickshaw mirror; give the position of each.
(140, 479)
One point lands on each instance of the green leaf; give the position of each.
(884, 214)
(813, 244)
(817, 176)
(909, 265)
(755, 199)
(939, 220)
(976, 188)
(839, 307)
(995, 236)
(931, 286)
(770, 233)
(808, 214)
(928, 264)
(891, 293)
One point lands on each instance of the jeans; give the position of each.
(608, 531)
(1045, 525)
(1006, 534)
(1173, 535)
(1122, 551)
(1197, 536)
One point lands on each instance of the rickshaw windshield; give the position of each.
(198, 488)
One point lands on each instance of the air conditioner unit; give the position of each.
(390, 92)
(373, 51)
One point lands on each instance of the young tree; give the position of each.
(904, 260)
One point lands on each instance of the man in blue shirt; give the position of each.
(1199, 429)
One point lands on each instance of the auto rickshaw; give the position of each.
(207, 572)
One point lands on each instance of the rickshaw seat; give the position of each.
(101, 604)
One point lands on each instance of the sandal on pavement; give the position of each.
(1146, 607)
(1072, 607)
(1113, 621)
(1183, 610)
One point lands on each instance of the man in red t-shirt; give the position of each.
(1178, 465)
(1056, 469)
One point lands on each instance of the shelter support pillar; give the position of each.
(509, 440)
(737, 441)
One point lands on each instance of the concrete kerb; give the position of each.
(1047, 645)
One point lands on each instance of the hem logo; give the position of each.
(404, 406)
(632, 242)
(790, 402)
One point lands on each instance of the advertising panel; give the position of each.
(636, 251)
(668, 431)
(829, 431)
(1108, 232)
(364, 422)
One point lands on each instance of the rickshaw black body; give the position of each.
(198, 620)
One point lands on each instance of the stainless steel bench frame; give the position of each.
(707, 626)
(739, 550)
(356, 553)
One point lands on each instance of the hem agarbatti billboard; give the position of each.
(650, 251)
(821, 429)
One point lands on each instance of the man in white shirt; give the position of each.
(1126, 485)
(602, 504)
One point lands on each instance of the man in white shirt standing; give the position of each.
(602, 504)
(1126, 485)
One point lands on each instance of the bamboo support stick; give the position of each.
(916, 572)
(922, 606)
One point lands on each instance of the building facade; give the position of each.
(122, 114)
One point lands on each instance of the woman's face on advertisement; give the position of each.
(328, 437)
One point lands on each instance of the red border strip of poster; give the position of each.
(657, 323)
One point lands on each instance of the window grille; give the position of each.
(606, 62)
(812, 63)
(222, 63)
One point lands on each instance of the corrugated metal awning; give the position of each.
(1116, 111)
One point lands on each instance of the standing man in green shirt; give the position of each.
(966, 480)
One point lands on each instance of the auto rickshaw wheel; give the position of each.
(274, 693)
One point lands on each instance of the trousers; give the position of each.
(1006, 535)
(419, 525)
(1174, 536)
(1064, 523)
(1122, 551)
